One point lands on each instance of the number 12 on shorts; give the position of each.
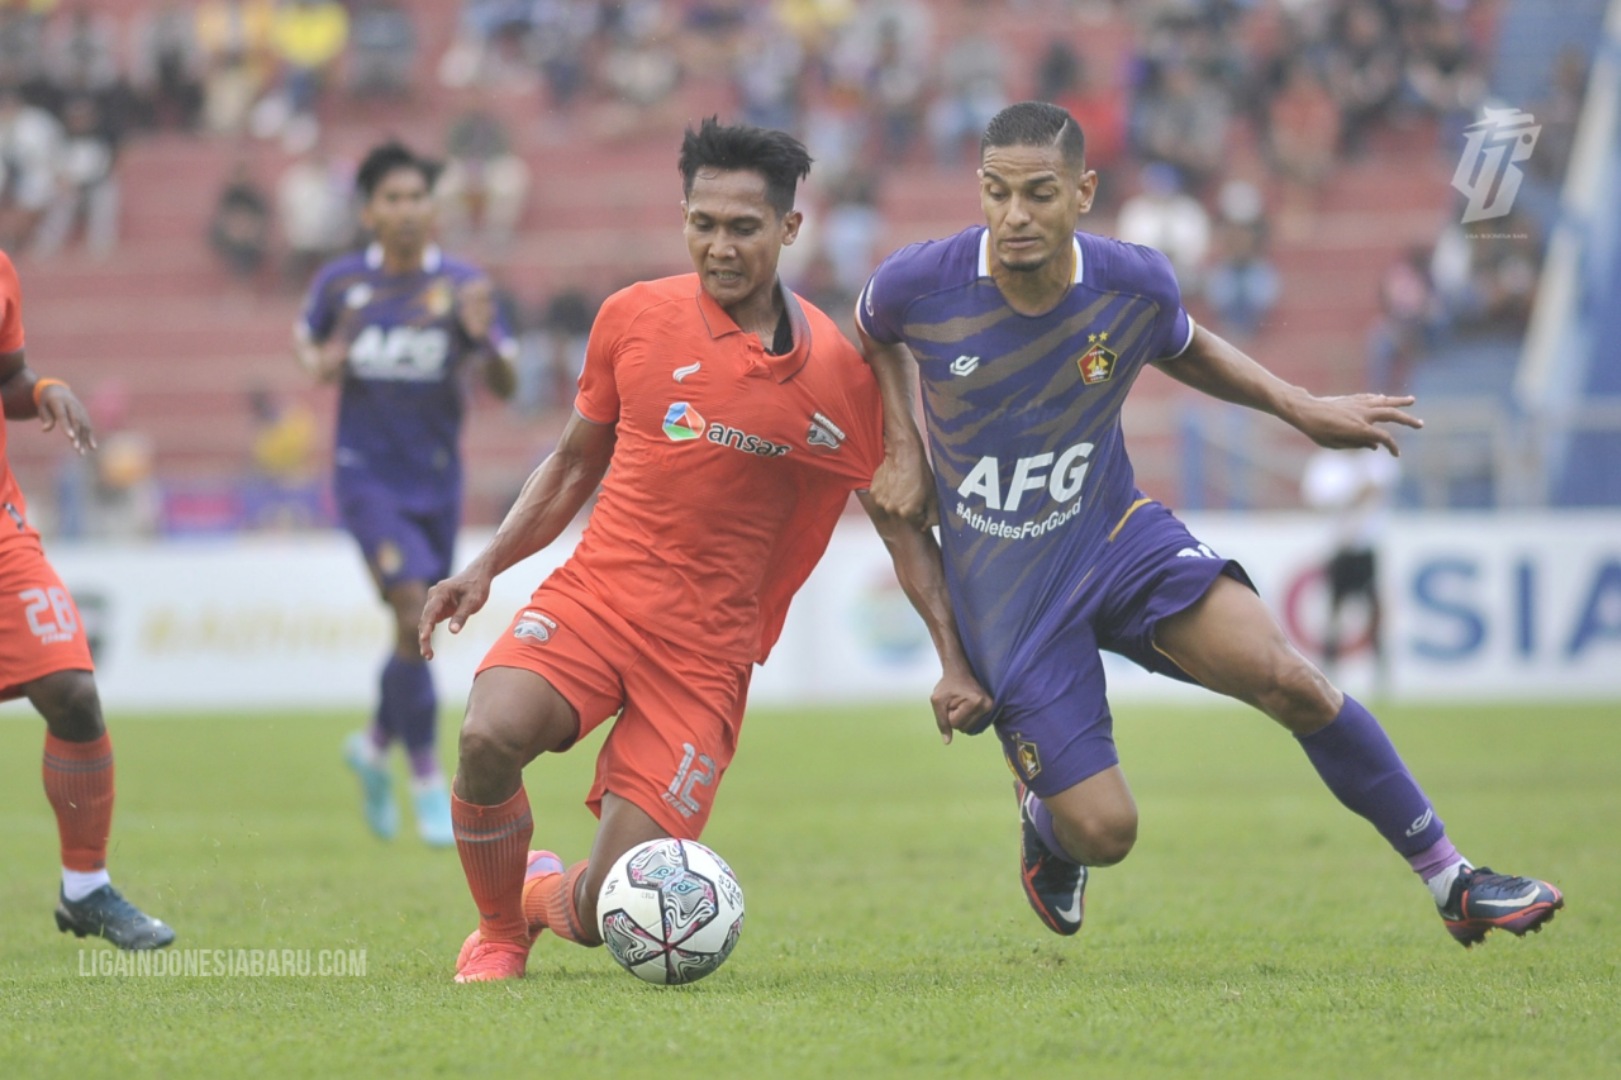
(679, 794)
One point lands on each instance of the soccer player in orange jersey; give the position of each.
(737, 420)
(44, 657)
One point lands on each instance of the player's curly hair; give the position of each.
(777, 156)
(389, 157)
(1036, 123)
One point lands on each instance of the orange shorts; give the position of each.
(40, 629)
(679, 711)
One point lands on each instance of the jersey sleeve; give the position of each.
(899, 280)
(320, 312)
(598, 397)
(11, 307)
(1174, 327)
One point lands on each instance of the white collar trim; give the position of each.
(432, 257)
(985, 256)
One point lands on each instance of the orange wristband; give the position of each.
(41, 384)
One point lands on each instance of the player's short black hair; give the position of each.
(777, 156)
(1036, 123)
(390, 157)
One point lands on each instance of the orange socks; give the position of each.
(548, 901)
(493, 842)
(79, 785)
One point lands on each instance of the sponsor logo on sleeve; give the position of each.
(824, 434)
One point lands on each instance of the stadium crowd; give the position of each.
(1223, 118)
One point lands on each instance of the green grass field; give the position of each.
(1258, 929)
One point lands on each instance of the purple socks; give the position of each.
(1360, 766)
(408, 710)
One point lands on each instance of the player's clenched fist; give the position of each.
(959, 703)
(455, 598)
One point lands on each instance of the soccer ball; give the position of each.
(670, 911)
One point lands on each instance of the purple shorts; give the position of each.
(400, 543)
(1054, 718)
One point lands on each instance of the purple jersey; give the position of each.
(400, 411)
(1023, 417)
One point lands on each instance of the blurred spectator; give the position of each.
(1242, 285)
(382, 49)
(307, 37)
(972, 77)
(1443, 72)
(1410, 318)
(123, 498)
(283, 491)
(851, 227)
(768, 74)
(81, 51)
(1486, 275)
(561, 42)
(1304, 134)
(485, 183)
(239, 231)
(1355, 487)
(30, 155)
(492, 43)
(555, 352)
(1065, 79)
(1364, 69)
(1184, 125)
(885, 50)
(169, 65)
(22, 46)
(641, 71)
(234, 36)
(314, 208)
(1558, 113)
(1162, 216)
(87, 185)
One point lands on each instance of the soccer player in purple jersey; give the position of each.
(399, 326)
(1027, 335)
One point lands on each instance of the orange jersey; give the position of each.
(730, 468)
(15, 522)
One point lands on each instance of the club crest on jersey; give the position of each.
(1029, 758)
(357, 296)
(1097, 363)
(824, 434)
(439, 298)
(682, 422)
(535, 626)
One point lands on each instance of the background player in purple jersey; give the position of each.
(400, 325)
(1027, 335)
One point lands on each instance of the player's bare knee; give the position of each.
(1101, 840)
(488, 754)
(1299, 696)
(70, 705)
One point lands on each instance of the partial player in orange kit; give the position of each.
(737, 420)
(44, 657)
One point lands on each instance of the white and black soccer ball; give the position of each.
(670, 911)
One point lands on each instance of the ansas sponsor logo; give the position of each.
(682, 423)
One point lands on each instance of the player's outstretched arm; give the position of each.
(475, 312)
(903, 484)
(26, 396)
(1215, 367)
(958, 699)
(550, 498)
(323, 359)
